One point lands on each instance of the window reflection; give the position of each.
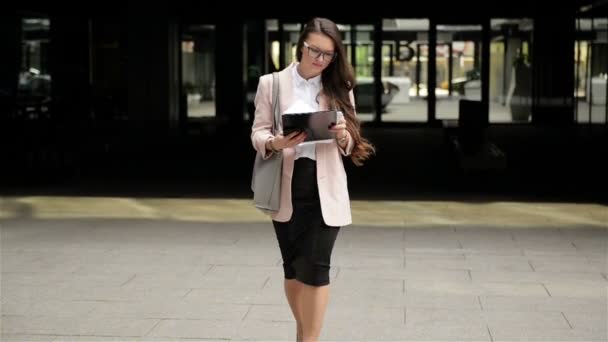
(510, 70)
(198, 70)
(591, 70)
(405, 69)
(34, 84)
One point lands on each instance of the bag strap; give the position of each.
(275, 102)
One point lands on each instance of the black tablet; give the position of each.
(315, 124)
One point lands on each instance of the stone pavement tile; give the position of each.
(432, 252)
(40, 265)
(27, 338)
(29, 251)
(363, 230)
(541, 304)
(591, 260)
(189, 310)
(354, 312)
(141, 255)
(550, 252)
(248, 257)
(428, 234)
(473, 265)
(588, 231)
(441, 317)
(266, 331)
(498, 243)
(597, 243)
(375, 314)
(442, 301)
(275, 313)
(569, 266)
(385, 331)
(429, 231)
(169, 251)
(510, 289)
(367, 261)
(421, 264)
(510, 334)
(428, 275)
(347, 252)
(343, 331)
(588, 320)
(270, 296)
(597, 257)
(142, 268)
(526, 258)
(435, 287)
(469, 331)
(46, 307)
(14, 279)
(192, 279)
(233, 266)
(223, 295)
(344, 243)
(157, 308)
(380, 299)
(526, 319)
(356, 231)
(487, 233)
(443, 244)
(168, 309)
(90, 293)
(549, 243)
(485, 246)
(346, 284)
(14, 259)
(194, 328)
(491, 258)
(493, 253)
(577, 289)
(434, 257)
(472, 288)
(235, 281)
(243, 271)
(382, 292)
(89, 338)
(378, 219)
(76, 326)
(535, 277)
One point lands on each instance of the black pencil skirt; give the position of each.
(305, 241)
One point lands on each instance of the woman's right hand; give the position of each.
(280, 142)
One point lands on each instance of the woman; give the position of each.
(314, 194)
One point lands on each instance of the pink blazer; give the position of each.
(331, 176)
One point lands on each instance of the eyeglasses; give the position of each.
(316, 53)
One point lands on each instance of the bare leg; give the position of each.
(293, 290)
(312, 305)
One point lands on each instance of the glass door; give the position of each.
(459, 68)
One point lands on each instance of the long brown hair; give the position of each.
(338, 80)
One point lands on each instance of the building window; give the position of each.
(510, 70)
(405, 69)
(198, 70)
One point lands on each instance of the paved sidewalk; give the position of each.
(124, 269)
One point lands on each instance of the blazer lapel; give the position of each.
(286, 89)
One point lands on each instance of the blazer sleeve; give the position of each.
(349, 146)
(261, 131)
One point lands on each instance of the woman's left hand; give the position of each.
(339, 129)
